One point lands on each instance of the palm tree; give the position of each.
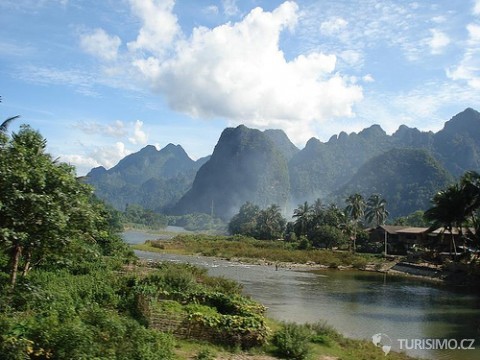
(4, 125)
(470, 183)
(375, 211)
(451, 209)
(270, 223)
(303, 214)
(355, 210)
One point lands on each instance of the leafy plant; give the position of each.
(293, 341)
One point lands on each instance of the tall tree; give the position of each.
(455, 206)
(376, 210)
(270, 223)
(303, 215)
(245, 222)
(355, 210)
(43, 207)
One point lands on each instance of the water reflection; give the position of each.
(358, 304)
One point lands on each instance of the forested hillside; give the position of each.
(266, 168)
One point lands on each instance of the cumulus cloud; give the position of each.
(100, 44)
(333, 25)
(238, 72)
(438, 41)
(160, 25)
(139, 136)
(469, 67)
(105, 155)
(230, 7)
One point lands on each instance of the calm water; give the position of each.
(358, 304)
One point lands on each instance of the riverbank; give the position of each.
(284, 255)
(319, 340)
(274, 253)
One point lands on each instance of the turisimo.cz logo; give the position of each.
(437, 344)
(385, 342)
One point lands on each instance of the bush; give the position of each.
(205, 354)
(293, 341)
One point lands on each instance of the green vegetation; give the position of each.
(152, 179)
(315, 226)
(262, 224)
(408, 178)
(250, 249)
(458, 208)
(198, 222)
(136, 216)
(246, 165)
(71, 289)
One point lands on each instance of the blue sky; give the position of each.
(101, 79)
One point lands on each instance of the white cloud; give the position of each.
(352, 57)
(159, 25)
(476, 7)
(333, 25)
(238, 72)
(440, 19)
(139, 136)
(473, 34)
(368, 78)
(438, 41)
(117, 129)
(100, 44)
(105, 155)
(211, 9)
(468, 68)
(230, 7)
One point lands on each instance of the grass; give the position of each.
(331, 344)
(248, 249)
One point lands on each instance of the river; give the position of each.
(359, 304)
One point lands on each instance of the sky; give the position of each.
(102, 79)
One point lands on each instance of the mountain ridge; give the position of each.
(265, 166)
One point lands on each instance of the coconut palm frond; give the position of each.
(4, 126)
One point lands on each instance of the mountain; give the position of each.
(406, 178)
(154, 179)
(407, 168)
(457, 145)
(246, 165)
(320, 168)
(282, 142)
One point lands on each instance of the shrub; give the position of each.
(293, 341)
(205, 354)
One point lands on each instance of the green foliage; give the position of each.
(407, 178)
(63, 316)
(415, 219)
(245, 222)
(47, 217)
(458, 207)
(293, 341)
(154, 180)
(327, 236)
(138, 215)
(198, 222)
(205, 354)
(266, 224)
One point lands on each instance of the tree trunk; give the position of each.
(16, 253)
(28, 260)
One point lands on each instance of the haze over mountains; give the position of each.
(407, 168)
